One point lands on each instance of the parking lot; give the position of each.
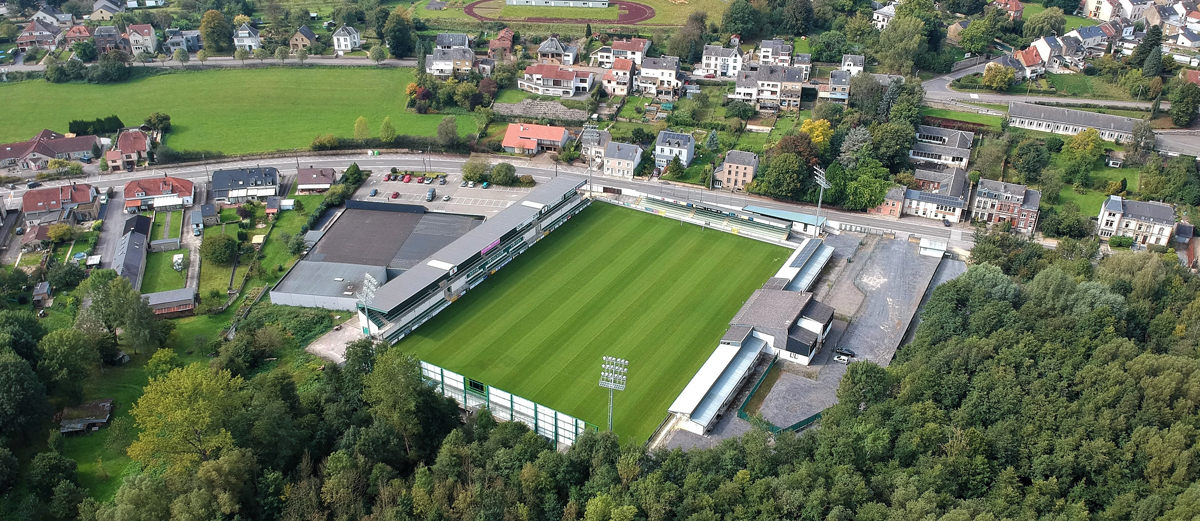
(462, 199)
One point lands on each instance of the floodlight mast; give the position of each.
(613, 372)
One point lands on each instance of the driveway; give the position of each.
(332, 345)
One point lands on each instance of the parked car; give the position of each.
(441, 180)
(420, 179)
(374, 192)
(471, 184)
(710, 76)
(841, 359)
(86, 159)
(33, 185)
(445, 198)
(430, 194)
(844, 351)
(486, 184)
(395, 195)
(407, 178)
(946, 222)
(196, 231)
(428, 180)
(464, 184)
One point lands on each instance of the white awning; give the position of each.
(168, 201)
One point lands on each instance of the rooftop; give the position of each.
(1019, 109)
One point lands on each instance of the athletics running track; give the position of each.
(629, 13)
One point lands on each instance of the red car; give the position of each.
(407, 178)
(395, 195)
(710, 75)
(420, 179)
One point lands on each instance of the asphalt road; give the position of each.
(958, 236)
(938, 89)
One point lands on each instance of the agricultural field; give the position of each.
(611, 282)
(267, 113)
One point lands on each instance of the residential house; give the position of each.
(76, 34)
(943, 146)
(451, 41)
(1089, 36)
(346, 39)
(1069, 121)
(803, 62)
(552, 80)
(1013, 8)
(103, 10)
(997, 202)
(172, 303)
(1148, 222)
(838, 88)
(188, 40)
(1163, 17)
(770, 87)
(1047, 47)
(133, 147)
(36, 153)
(244, 184)
(955, 29)
(485, 67)
(673, 144)
(142, 38)
(130, 259)
(618, 80)
(721, 62)
(39, 35)
(553, 52)
(621, 159)
(500, 47)
(883, 16)
(1115, 30)
(1031, 62)
(892, 205)
(246, 38)
(445, 63)
(60, 204)
(737, 171)
(634, 49)
(50, 15)
(158, 193)
(303, 39)
(593, 142)
(775, 52)
(853, 63)
(659, 77)
(315, 180)
(1102, 9)
(1010, 62)
(943, 194)
(1188, 39)
(1134, 9)
(529, 139)
(108, 38)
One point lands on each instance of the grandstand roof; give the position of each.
(786, 215)
(716, 381)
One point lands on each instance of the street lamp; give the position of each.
(824, 184)
(612, 377)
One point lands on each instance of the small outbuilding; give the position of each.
(85, 417)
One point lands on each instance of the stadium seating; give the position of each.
(758, 228)
(670, 209)
(711, 217)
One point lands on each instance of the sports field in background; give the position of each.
(610, 282)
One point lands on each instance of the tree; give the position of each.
(474, 169)
(966, 7)
(392, 391)
(158, 121)
(798, 16)
(977, 37)
(215, 32)
(47, 470)
(856, 145)
(504, 174)
(447, 131)
(65, 499)
(675, 168)
(377, 54)
(1152, 67)
(219, 248)
(891, 143)
(1184, 102)
(1046, 23)
(740, 110)
(361, 131)
(587, 32)
(281, 53)
(397, 32)
(261, 54)
(22, 396)
(202, 56)
(85, 50)
(302, 55)
(900, 43)
(998, 77)
(8, 470)
(829, 46)
(1152, 40)
(184, 417)
(1030, 158)
(819, 131)
(181, 56)
(387, 131)
(781, 178)
(740, 18)
(1080, 155)
(1141, 140)
(65, 276)
(61, 232)
(67, 356)
(865, 192)
(241, 55)
(163, 362)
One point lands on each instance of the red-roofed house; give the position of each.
(617, 80)
(158, 193)
(78, 33)
(1190, 76)
(500, 47)
(69, 204)
(133, 146)
(143, 39)
(39, 34)
(633, 49)
(36, 153)
(551, 80)
(1014, 8)
(522, 138)
(313, 180)
(1032, 61)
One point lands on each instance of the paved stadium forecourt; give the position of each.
(610, 282)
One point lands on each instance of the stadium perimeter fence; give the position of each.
(563, 429)
(741, 412)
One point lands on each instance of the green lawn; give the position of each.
(753, 141)
(156, 230)
(521, 12)
(215, 276)
(611, 282)
(176, 225)
(1073, 22)
(511, 96)
(449, 12)
(631, 104)
(160, 272)
(970, 117)
(234, 111)
(1083, 86)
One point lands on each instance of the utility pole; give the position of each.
(613, 372)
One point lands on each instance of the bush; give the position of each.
(1120, 241)
(65, 276)
(305, 324)
(219, 248)
(504, 174)
(1054, 144)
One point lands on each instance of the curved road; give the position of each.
(938, 89)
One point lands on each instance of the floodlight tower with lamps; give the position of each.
(613, 372)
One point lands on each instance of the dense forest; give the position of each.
(1041, 384)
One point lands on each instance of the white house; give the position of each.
(674, 144)
(143, 39)
(853, 63)
(775, 52)
(346, 39)
(1189, 39)
(883, 16)
(1060, 120)
(660, 76)
(444, 63)
(633, 49)
(943, 194)
(722, 62)
(1089, 36)
(246, 38)
(942, 146)
(1147, 222)
(545, 79)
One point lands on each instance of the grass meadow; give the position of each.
(611, 282)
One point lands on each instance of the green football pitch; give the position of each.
(610, 282)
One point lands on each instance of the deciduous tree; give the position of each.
(22, 396)
(281, 53)
(184, 417)
(900, 43)
(447, 131)
(387, 131)
(397, 32)
(215, 32)
(1049, 22)
(998, 77)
